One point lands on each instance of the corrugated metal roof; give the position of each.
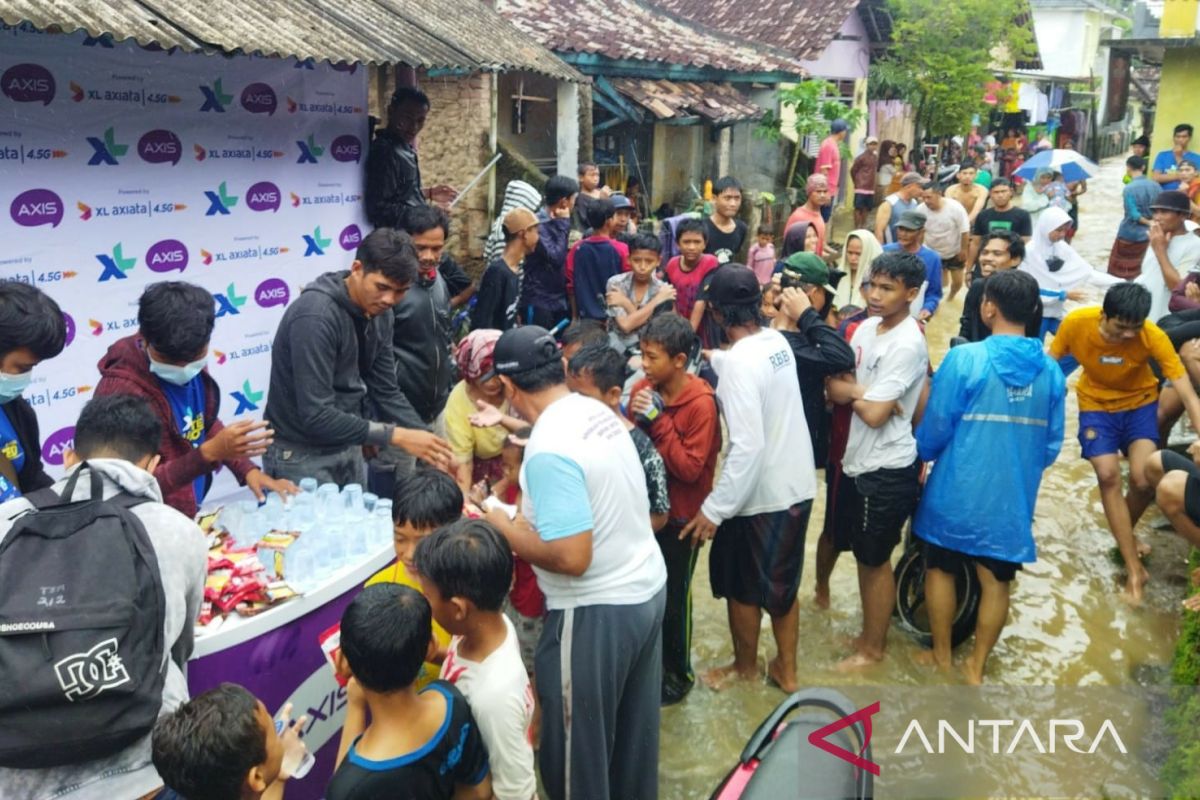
(718, 103)
(627, 29)
(803, 28)
(445, 34)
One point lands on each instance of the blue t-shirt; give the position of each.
(1165, 162)
(933, 274)
(10, 446)
(187, 406)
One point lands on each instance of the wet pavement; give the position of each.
(1067, 625)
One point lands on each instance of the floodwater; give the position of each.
(1067, 625)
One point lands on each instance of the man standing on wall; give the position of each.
(393, 180)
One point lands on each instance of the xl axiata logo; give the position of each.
(37, 207)
(167, 255)
(228, 302)
(215, 98)
(247, 399)
(346, 148)
(272, 292)
(315, 245)
(263, 196)
(56, 444)
(106, 150)
(310, 151)
(115, 265)
(28, 83)
(350, 237)
(259, 98)
(160, 146)
(220, 201)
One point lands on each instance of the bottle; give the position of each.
(329, 501)
(352, 496)
(369, 501)
(308, 485)
(298, 762)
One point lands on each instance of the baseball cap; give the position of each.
(838, 125)
(734, 285)
(912, 220)
(620, 201)
(872, 140)
(522, 349)
(519, 219)
(808, 268)
(1172, 200)
(910, 178)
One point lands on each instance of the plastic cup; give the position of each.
(308, 485)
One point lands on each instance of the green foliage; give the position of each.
(814, 104)
(1181, 773)
(943, 53)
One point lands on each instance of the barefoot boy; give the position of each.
(996, 409)
(1118, 405)
(881, 454)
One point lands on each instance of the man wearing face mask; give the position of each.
(163, 363)
(32, 329)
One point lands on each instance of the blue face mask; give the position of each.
(13, 386)
(180, 376)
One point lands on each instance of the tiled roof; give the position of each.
(630, 30)
(712, 102)
(802, 28)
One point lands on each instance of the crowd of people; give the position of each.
(555, 471)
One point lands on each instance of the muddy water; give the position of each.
(1066, 627)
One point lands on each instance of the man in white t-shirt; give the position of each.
(947, 233)
(585, 528)
(881, 452)
(758, 510)
(1174, 250)
(466, 570)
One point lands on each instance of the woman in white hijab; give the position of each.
(858, 251)
(1061, 272)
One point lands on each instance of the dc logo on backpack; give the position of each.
(82, 676)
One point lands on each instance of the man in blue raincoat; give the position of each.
(994, 422)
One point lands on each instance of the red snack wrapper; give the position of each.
(331, 643)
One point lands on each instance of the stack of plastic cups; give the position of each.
(369, 500)
(308, 485)
(381, 530)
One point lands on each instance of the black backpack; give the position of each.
(81, 630)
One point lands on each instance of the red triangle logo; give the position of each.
(818, 738)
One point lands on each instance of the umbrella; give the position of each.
(1072, 165)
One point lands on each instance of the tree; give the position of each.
(942, 54)
(814, 106)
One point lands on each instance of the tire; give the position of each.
(910, 600)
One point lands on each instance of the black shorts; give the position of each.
(756, 560)
(1174, 462)
(951, 561)
(952, 263)
(864, 202)
(839, 507)
(882, 503)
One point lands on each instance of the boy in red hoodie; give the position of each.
(164, 364)
(679, 412)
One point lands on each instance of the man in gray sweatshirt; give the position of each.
(333, 388)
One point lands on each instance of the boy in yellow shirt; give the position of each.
(1118, 405)
(425, 501)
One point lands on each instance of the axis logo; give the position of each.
(315, 245)
(160, 146)
(28, 83)
(819, 738)
(228, 302)
(69, 321)
(247, 399)
(58, 443)
(37, 207)
(259, 98)
(106, 150)
(346, 148)
(263, 196)
(350, 237)
(116, 265)
(272, 292)
(310, 151)
(220, 201)
(167, 255)
(215, 98)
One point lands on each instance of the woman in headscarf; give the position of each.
(476, 450)
(800, 237)
(517, 194)
(859, 250)
(1060, 271)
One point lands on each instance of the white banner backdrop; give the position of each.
(122, 165)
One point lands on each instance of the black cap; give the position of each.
(522, 349)
(1172, 200)
(734, 285)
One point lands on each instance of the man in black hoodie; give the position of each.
(32, 329)
(333, 373)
